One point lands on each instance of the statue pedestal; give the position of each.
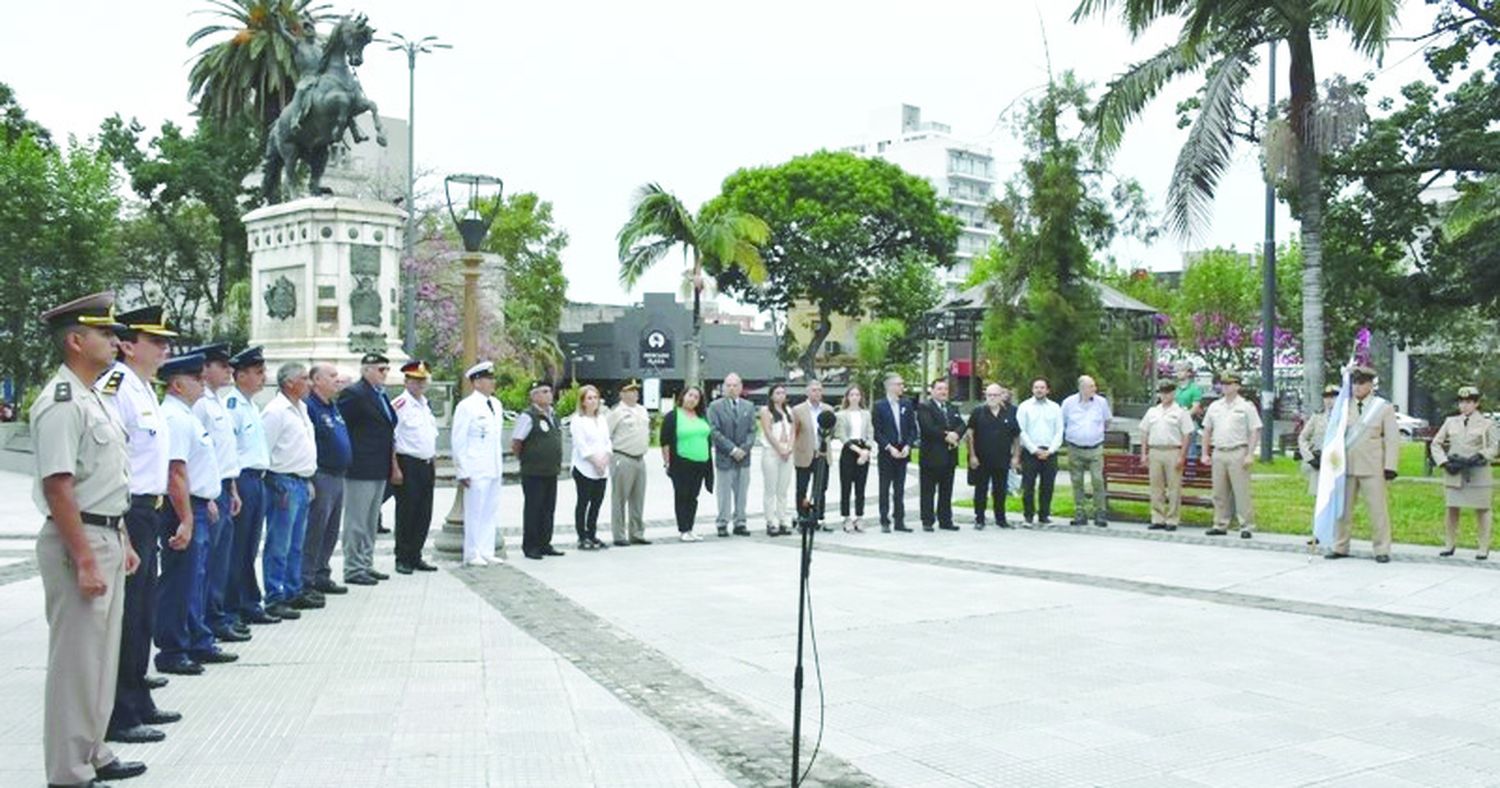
(325, 281)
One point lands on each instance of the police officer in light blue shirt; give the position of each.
(183, 639)
(210, 410)
(243, 598)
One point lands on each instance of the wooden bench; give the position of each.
(1127, 469)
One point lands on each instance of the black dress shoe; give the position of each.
(155, 682)
(159, 717)
(622, 543)
(423, 566)
(1004, 523)
(949, 527)
(979, 525)
(283, 612)
(1169, 527)
(1382, 559)
(378, 575)
(553, 551)
(262, 617)
(723, 533)
(227, 635)
(182, 667)
(403, 569)
(1157, 527)
(903, 529)
(240, 629)
(216, 657)
(1335, 556)
(1446, 553)
(1245, 533)
(639, 540)
(1484, 557)
(309, 601)
(329, 587)
(360, 580)
(535, 556)
(1044, 520)
(741, 531)
(1101, 522)
(1079, 521)
(1215, 532)
(139, 734)
(885, 529)
(120, 770)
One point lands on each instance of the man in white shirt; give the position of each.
(478, 462)
(294, 460)
(183, 640)
(1086, 416)
(1041, 425)
(127, 390)
(255, 458)
(210, 410)
(416, 450)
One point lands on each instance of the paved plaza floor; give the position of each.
(1066, 657)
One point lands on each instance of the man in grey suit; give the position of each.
(732, 420)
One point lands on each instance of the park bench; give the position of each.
(1128, 470)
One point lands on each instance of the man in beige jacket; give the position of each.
(1372, 446)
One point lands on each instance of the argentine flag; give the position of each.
(1330, 505)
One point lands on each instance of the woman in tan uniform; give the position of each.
(1464, 447)
(1310, 439)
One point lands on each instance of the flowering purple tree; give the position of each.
(439, 311)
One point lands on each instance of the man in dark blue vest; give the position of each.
(537, 443)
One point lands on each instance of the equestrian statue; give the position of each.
(324, 105)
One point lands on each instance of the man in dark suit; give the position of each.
(941, 428)
(895, 423)
(372, 432)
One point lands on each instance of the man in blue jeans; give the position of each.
(294, 460)
(243, 598)
(183, 640)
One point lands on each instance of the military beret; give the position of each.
(539, 384)
(1468, 392)
(1230, 377)
(416, 369)
(190, 364)
(218, 351)
(373, 358)
(91, 310)
(249, 357)
(1362, 374)
(150, 320)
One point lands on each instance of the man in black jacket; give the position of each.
(372, 429)
(941, 428)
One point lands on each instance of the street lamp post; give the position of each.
(481, 205)
(1268, 300)
(412, 47)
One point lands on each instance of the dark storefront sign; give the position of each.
(656, 348)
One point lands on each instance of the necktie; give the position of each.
(491, 404)
(1359, 406)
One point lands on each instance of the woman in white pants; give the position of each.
(776, 468)
(478, 462)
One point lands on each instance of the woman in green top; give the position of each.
(684, 449)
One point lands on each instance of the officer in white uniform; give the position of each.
(126, 389)
(243, 599)
(478, 463)
(416, 453)
(214, 415)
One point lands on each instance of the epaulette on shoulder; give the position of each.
(112, 383)
(62, 392)
(230, 402)
(400, 403)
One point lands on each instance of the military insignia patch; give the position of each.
(112, 383)
(232, 402)
(62, 392)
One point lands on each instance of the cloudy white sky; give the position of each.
(583, 102)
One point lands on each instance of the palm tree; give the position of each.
(720, 241)
(253, 70)
(1220, 38)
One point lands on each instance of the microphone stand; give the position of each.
(807, 523)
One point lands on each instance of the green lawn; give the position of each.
(1283, 505)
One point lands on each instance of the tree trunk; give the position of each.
(1304, 99)
(695, 345)
(820, 333)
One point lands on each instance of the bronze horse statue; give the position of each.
(327, 100)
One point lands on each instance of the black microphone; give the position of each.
(826, 420)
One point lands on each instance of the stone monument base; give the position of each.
(325, 279)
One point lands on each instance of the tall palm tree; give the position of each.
(1219, 38)
(253, 70)
(719, 241)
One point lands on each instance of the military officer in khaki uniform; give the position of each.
(1372, 445)
(1231, 426)
(630, 435)
(1464, 447)
(1310, 439)
(83, 554)
(1166, 430)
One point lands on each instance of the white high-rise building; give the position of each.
(962, 172)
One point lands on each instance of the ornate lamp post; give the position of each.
(480, 199)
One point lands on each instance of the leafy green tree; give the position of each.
(720, 243)
(14, 124)
(873, 344)
(58, 236)
(1057, 213)
(530, 247)
(1221, 40)
(182, 179)
(838, 223)
(170, 257)
(904, 291)
(253, 71)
